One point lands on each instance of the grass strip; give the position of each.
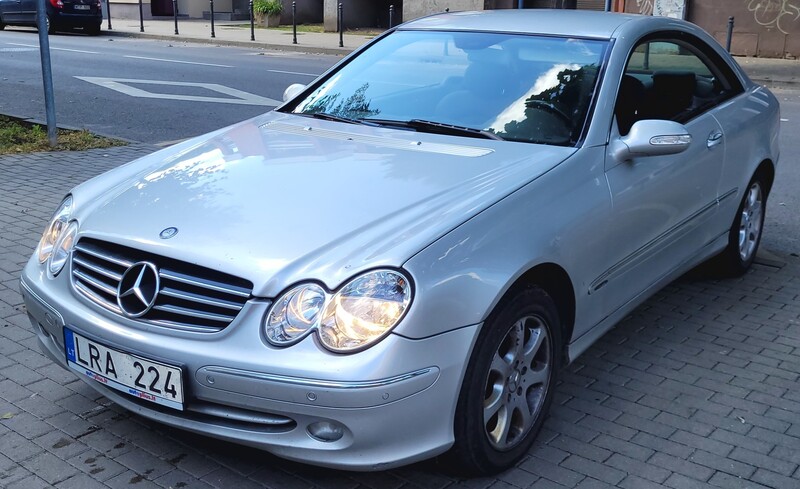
(18, 136)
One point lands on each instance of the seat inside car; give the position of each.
(671, 95)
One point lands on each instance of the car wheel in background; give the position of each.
(508, 386)
(94, 30)
(51, 28)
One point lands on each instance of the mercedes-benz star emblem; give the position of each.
(138, 289)
(168, 233)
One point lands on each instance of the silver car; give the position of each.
(396, 263)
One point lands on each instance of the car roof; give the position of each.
(556, 22)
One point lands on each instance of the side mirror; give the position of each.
(292, 91)
(651, 138)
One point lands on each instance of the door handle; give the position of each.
(714, 139)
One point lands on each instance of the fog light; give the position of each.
(325, 431)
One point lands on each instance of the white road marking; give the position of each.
(239, 97)
(293, 73)
(53, 49)
(17, 50)
(178, 61)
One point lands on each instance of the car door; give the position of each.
(27, 11)
(662, 205)
(10, 10)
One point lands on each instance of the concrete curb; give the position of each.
(298, 48)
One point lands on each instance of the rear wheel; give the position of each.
(745, 234)
(51, 28)
(2, 25)
(94, 30)
(508, 386)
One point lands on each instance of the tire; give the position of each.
(51, 28)
(93, 30)
(745, 234)
(508, 386)
(2, 25)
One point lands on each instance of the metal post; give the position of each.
(108, 11)
(141, 18)
(391, 16)
(608, 5)
(252, 23)
(294, 22)
(730, 34)
(47, 72)
(175, 14)
(212, 18)
(341, 26)
(521, 4)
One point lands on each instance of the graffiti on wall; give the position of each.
(645, 7)
(669, 8)
(774, 13)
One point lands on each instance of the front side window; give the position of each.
(507, 86)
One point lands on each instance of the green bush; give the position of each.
(268, 7)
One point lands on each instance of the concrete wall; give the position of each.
(413, 9)
(129, 9)
(765, 28)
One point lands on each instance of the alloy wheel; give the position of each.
(750, 222)
(517, 382)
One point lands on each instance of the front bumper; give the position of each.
(395, 401)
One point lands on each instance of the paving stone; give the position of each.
(552, 472)
(30, 482)
(681, 466)
(132, 480)
(49, 467)
(638, 468)
(774, 463)
(97, 465)
(722, 464)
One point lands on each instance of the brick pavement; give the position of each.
(697, 388)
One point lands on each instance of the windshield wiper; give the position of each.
(329, 117)
(437, 128)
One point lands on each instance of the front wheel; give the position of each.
(508, 386)
(745, 234)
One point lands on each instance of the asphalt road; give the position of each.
(782, 226)
(182, 89)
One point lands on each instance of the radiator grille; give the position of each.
(190, 297)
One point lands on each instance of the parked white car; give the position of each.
(397, 262)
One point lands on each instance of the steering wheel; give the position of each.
(547, 106)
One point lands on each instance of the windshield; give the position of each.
(511, 86)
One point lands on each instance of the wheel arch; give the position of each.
(554, 280)
(767, 169)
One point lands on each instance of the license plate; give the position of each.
(81, 7)
(134, 375)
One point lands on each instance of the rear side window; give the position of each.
(672, 79)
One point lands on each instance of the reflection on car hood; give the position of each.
(280, 198)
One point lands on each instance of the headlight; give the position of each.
(63, 247)
(364, 310)
(360, 314)
(295, 314)
(54, 228)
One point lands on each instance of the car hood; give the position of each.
(282, 198)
